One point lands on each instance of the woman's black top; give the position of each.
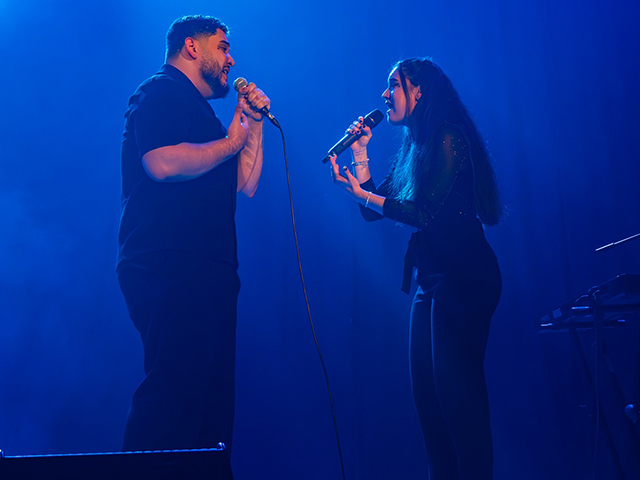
(450, 238)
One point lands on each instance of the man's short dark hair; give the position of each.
(194, 26)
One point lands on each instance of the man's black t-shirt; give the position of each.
(194, 216)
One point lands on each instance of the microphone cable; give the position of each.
(306, 300)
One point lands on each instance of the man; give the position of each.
(181, 170)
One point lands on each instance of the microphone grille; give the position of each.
(239, 83)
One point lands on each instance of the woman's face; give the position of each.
(396, 100)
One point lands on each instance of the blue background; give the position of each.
(553, 87)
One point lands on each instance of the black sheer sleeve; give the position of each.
(382, 190)
(439, 181)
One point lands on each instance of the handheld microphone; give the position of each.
(241, 82)
(371, 120)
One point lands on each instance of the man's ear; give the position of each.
(190, 48)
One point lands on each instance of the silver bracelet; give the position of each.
(362, 163)
(366, 203)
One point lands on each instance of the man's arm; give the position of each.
(178, 163)
(250, 160)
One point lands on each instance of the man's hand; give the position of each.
(252, 100)
(238, 130)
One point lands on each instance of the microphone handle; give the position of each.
(372, 119)
(344, 143)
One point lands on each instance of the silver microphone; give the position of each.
(241, 82)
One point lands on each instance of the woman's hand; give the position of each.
(348, 181)
(359, 128)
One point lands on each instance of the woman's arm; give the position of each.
(439, 181)
(375, 204)
(419, 212)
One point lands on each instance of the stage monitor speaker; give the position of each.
(209, 464)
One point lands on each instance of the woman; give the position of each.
(442, 183)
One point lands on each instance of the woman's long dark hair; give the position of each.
(439, 105)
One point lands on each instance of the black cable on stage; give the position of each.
(306, 300)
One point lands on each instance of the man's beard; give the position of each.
(211, 72)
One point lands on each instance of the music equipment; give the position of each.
(209, 464)
(619, 295)
(371, 120)
(241, 82)
(606, 305)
